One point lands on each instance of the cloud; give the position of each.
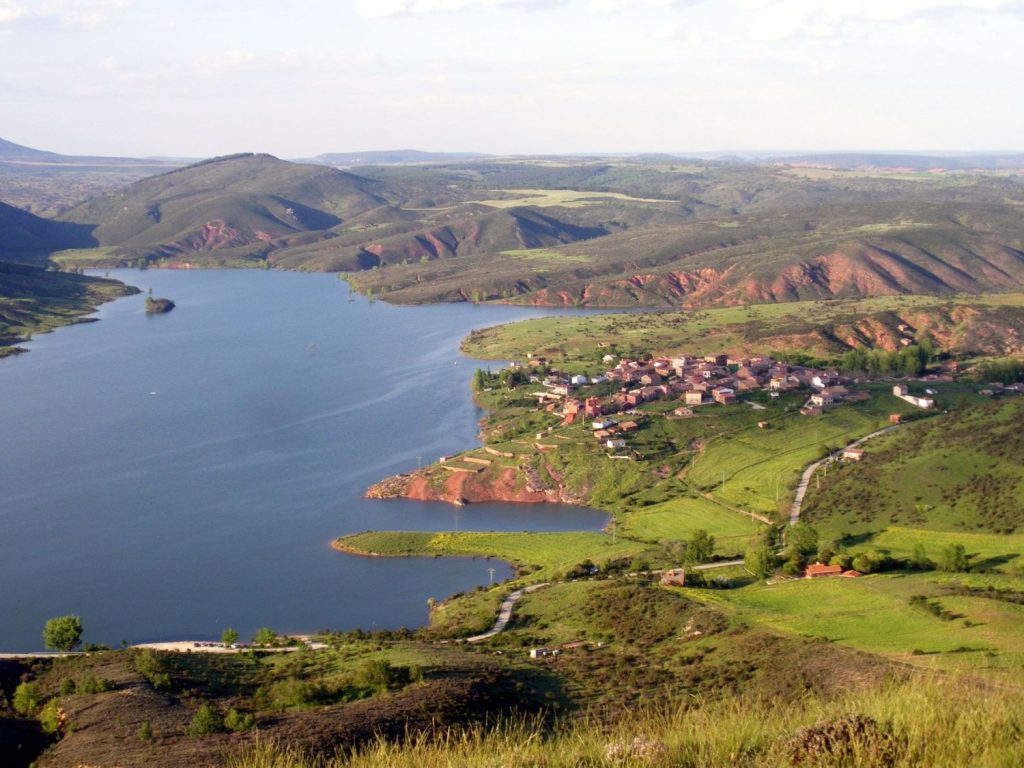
(227, 61)
(10, 11)
(384, 8)
(770, 20)
(62, 13)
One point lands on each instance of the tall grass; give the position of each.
(937, 722)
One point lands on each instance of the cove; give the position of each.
(167, 476)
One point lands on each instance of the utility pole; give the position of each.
(491, 572)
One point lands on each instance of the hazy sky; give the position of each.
(183, 77)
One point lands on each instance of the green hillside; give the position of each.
(963, 471)
(26, 236)
(577, 231)
(247, 202)
(34, 300)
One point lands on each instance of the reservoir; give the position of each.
(169, 476)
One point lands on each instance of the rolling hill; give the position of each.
(646, 231)
(25, 236)
(247, 203)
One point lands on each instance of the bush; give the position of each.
(67, 686)
(52, 717)
(238, 721)
(206, 720)
(96, 685)
(26, 699)
(145, 732)
(151, 666)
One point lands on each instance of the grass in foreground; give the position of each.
(936, 722)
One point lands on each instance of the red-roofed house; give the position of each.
(817, 570)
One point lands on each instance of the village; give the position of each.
(698, 381)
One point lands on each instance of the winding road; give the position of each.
(505, 612)
(805, 479)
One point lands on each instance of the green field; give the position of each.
(874, 613)
(548, 552)
(679, 518)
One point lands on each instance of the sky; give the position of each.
(193, 79)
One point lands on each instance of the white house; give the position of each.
(615, 442)
(578, 380)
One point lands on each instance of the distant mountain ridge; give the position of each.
(394, 157)
(917, 162)
(18, 153)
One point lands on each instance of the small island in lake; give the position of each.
(158, 306)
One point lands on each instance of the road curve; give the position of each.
(505, 613)
(805, 478)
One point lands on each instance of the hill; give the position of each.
(989, 161)
(958, 472)
(25, 235)
(649, 231)
(9, 151)
(48, 183)
(245, 204)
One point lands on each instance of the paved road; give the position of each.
(805, 479)
(505, 613)
(712, 566)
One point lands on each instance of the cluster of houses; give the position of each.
(696, 381)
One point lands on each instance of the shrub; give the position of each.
(26, 699)
(67, 686)
(206, 720)
(52, 717)
(145, 732)
(90, 685)
(238, 721)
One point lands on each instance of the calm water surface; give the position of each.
(169, 476)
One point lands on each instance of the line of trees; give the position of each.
(909, 361)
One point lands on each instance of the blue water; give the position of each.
(168, 476)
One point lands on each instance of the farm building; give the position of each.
(817, 570)
(675, 577)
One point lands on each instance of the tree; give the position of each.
(920, 559)
(802, 541)
(229, 636)
(700, 547)
(955, 558)
(63, 633)
(760, 560)
(264, 636)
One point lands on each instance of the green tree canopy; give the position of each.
(63, 633)
(700, 546)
